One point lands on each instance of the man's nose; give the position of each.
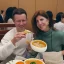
(21, 23)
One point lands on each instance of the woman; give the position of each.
(43, 31)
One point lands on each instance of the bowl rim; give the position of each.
(34, 59)
(37, 46)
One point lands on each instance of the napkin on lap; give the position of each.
(53, 57)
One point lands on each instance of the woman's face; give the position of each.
(42, 23)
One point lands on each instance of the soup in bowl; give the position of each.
(33, 61)
(38, 45)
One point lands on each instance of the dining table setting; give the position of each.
(40, 47)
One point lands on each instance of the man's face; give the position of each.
(20, 21)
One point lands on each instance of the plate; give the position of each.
(24, 62)
(13, 61)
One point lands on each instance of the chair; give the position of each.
(3, 28)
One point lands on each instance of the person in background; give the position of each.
(43, 31)
(8, 16)
(14, 43)
(50, 14)
(2, 13)
(2, 16)
(60, 25)
(58, 16)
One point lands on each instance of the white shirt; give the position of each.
(7, 47)
(59, 26)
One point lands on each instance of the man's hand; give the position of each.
(18, 36)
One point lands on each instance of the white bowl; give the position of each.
(36, 48)
(28, 61)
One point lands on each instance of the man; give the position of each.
(14, 43)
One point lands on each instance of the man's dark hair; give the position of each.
(19, 11)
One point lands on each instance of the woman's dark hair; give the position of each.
(8, 13)
(34, 23)
(19, 11)
(58, 16)
(50, 14)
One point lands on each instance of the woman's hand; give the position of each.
(18, 36)
(62, 52)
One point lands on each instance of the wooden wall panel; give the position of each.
(4, 4)
(60, 6)
(32, 5)
(15, 3)
(47, 5)
(29, 6)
